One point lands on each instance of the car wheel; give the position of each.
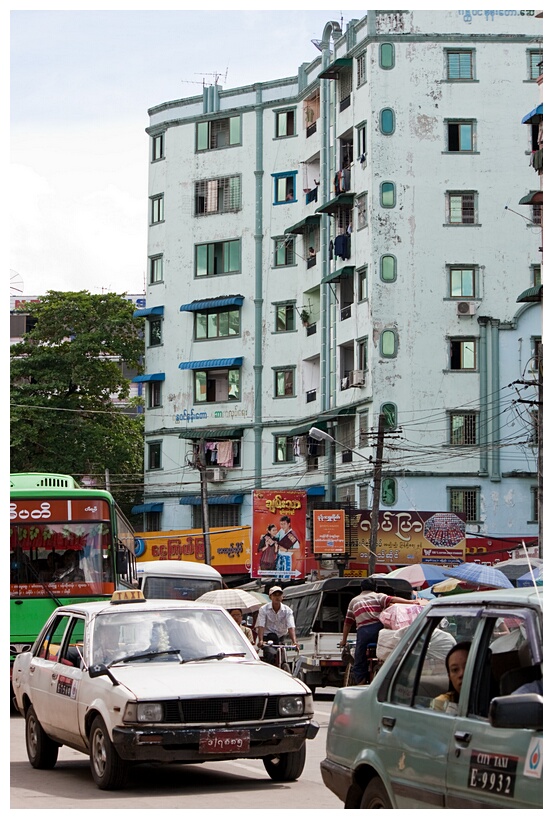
(285, 767)
(375, 796)
(109, 771)
(41, 750)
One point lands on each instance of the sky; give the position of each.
(81, 83)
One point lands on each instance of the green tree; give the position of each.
(65, 374)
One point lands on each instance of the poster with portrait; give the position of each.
(278, 534)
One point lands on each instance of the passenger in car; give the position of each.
(455, 663)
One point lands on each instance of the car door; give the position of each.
(42, 671)
(492, 767)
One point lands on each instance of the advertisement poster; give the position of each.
(329, 531)
(230, 548)
(278, 534)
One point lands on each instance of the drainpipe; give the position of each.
(496, 466)
(483, 432)
(258, 293)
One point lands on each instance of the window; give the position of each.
(462, 354)
(537, 212)
(217, 323)
(361, 69)
(285, 123)
(284, 382)
(216, 385)
(388, 491)
(284, 251)
(363, 431)
(311, 112)
(285, 318)
(387, 121)
(343, 218)
(154, 332)
(361, 203)
(285, 187)
(462, 282)
(213, 448)
(284, 449)
(387, 56)
(156, 269)
(534, 507)
(460, 136)
(218, 257)
(218, 133)
(154, 455)
(344, 83)
(389, 411)
(536, 274)
(460, 65)
(158, 147)
(463, 429)
(156, 209)
(465, 501)
(535, 64)
(219, 515)
(535, 362)
(153, 389)
(362, 291)
(152, 522)
(461, 208)
(221, 195)
(362, 354)
(362, 140)
(388, 195)
(388, 343)
(388, 270)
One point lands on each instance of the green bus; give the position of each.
(68, 544)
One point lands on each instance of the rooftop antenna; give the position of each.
(215, 74)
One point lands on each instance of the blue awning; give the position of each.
(196, 500)
(211, 363)
(151, 377)
(206, 304)
(535, 112)
(148, 311)
(147, 507)
(316, 490)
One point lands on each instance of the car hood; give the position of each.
(210, 678)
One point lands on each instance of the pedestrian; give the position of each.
(275, 620)
(364, 610)
(236, 615)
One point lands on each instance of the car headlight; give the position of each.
(290, 706)
(143, 712)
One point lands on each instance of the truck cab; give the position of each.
(176, 579)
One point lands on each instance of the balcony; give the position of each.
(311, 261)
(311, 329)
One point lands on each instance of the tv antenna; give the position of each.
(217, 75)
(16, 283)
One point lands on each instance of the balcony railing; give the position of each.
(311, 129)
(345, 103)
(345, 312)
(312, 195)
(311, 261)
(310, 395)
(311, 329)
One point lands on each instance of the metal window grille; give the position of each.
(219, 514)
(463, 429)
(343, 218)
(361, 211)
(537, 213)
(462, 208)
(217, 195)
(464, 501)
(361, 70)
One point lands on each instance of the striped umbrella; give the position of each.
(419, 575)
(476, 574)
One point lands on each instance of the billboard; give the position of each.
(230, 548)
(278, 534)
(329, 531)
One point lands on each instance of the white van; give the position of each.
(176, 579)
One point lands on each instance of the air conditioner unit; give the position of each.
(215, 475)
(357, 378)
(466, 308)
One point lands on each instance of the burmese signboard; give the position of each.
(230, 548)
(329, 531)
(278, 534)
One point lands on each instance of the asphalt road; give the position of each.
(238, 785)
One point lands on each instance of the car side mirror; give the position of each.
(101, 670)
(517, 711)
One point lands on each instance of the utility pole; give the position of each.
(201, 465)
(376, 493)
(540, 449)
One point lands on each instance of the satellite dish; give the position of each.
(16, 283)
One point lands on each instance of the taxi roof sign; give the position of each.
(127, 596)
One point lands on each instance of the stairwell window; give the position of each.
(361, 203)
(388, 268)
(465, 501)
(388, 491)
(156, 209)
(387, 57)
(388, 344)
(361, 64)
(158, 147)
(154, 394)
(221, 195)
(462, 282)
(389, 411)
(284, 382)
(462, 354)
(463, 429)
(388, 195)
(387, 121)
(285, 123)
(154, 332)
(153, 455)
(362, 287)
(461, 208)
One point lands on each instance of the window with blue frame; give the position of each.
(388, 195)
(387, 121)
(284, 187)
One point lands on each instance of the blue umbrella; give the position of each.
(529, 578)
(478, 575)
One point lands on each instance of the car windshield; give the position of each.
(168, 635)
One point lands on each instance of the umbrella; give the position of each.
(528, 579)
(448, 586)
(419, 575)
(261, 596)
(232, 599)
(516, 567)
(476, 574)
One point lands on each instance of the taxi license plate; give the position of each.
(495, 773)
(224, 742)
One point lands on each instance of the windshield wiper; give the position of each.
(220, 656)
(144, 655)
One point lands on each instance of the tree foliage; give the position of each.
(65, 375)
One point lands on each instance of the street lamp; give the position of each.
(319, 435)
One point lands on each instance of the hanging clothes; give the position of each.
(330, 251)
(224, 453)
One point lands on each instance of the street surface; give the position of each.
(235, 785)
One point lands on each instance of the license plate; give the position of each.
(224, 742)
(495, 773)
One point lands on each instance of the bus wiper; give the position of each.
(144, 655)
(220, 656)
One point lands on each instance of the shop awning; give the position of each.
(150, 377)
(304, 225)
(532, 198)
(313, 491)
(211, 363)
(148, 311)
(332, 71)
(343, 200)
(533, 294)
(212, 434)
(535, 112)
(207, 304)
(342, 271)
(196, 500)
(147, 507)
(304, 428)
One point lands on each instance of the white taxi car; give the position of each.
(418, 738)
(129, 680)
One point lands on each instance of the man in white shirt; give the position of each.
(275, 620)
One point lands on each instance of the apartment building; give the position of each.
(340, 245)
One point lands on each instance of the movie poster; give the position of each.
(278, 534)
